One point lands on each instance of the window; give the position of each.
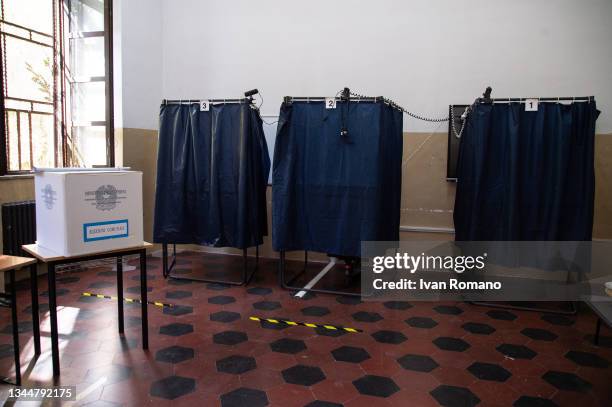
(56, 96)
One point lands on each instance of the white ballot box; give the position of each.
(82, 211)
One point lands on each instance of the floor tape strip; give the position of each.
(306, 324)
(130, 300)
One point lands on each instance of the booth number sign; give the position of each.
(330, 103)
(531, 105)
(204, 105)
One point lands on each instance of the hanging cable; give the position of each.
(259, 109)
(424, 118)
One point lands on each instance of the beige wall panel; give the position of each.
(602, 223)
(140, 153)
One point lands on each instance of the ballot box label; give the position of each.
(105, 230)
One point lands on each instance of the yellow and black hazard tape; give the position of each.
(130, 300)
(306, 324)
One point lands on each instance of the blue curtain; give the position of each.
(330, 192)
(526, 175)
(212, 172)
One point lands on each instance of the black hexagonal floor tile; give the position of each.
(86, 314)
(60, 292)
(559, 320)
(303, 375)
(236, 364)
(244, 397)
(320, 403)
(6, 350)
(181, 271)
(267, 305)
(86, 300)
(133, 321)
(587, 359)
(174, 354)
(391, 337)
(421, 322)
(364, 316)
(174, 281)
(101, 284)
(454, 396)
(348, 300)
(478, 328)
(398, 305)
(516, 351)
(176, 329)
(274, 326)
(42, 307)
(178, 310)
(221, 300)
(448, 310)
(230, 338)
(259, 291)
(451, 344)
(418, 363)
(178, 294)
(68, 280)
(350, 354)
(567, 381)
(538, 334)
(172, 387)
(224, 316)
(107, 273)
(288, 345)
(150, 277)
(217, 286)
(489, 371)
(528, 401)
(334, 333)
(314, 311)
(501, 315)
(377, 386)
(136, 289)
(22, 327)
(111, 373)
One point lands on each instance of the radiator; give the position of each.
(18, 226)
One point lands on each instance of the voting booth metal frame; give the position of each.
(167, 268)
(283, 282)
(487, 99)
(246, 276)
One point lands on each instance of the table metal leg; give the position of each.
(15, 328)
(53, 319)
(143, 299)
(35, 308)
(120, 293)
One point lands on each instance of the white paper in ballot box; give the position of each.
(81, 211)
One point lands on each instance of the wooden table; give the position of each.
(12, 264)
(52, 260)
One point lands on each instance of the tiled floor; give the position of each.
(205, 351)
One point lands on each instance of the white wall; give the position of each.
(138, 62)
(426, 54)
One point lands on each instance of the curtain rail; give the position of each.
(323, 98)
(546, 99)
(189, 101)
